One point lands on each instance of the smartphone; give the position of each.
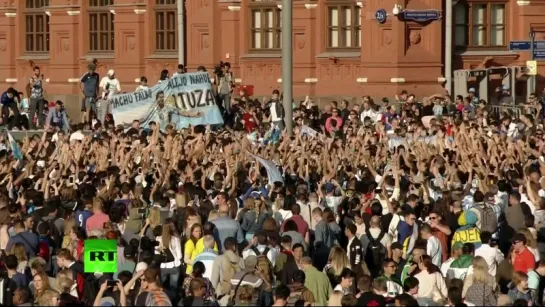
(111, 283)
(378, 191)
(103, 180)
(71, 179)
(141, 210)
(139, 170)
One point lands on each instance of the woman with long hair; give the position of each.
(171, 248)
(252, 216)
(480, 287)
(198, 272)
(336, 262)
(18, 250)
(189, 246)
(153, 220)
(77, 237)
(432, 285)
(69, 223)
(66, 283)
(41, 284)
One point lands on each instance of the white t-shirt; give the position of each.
(435, 250)
(113, 85)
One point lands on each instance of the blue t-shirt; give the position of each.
(403, 231)
(81, 217)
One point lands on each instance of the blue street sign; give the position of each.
(525, 45)
(421, 16)
(381, 15)
(539, 54)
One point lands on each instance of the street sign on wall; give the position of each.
(421, 16)
(525, 45)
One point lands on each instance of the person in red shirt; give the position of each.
(521, 257)
(249, 119)
(302, 226)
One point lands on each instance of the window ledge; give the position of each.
(261, 55)
(162, 56)
(485, 52)
(29, 56)
(91, 56)
(339, 54)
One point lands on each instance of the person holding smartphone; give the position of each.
(35, 90)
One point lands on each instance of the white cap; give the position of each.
(111, 72)
(141, 266)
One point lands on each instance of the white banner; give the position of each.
(191, 92)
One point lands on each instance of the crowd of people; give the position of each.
(426, 201)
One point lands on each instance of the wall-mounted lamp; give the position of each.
(397, 9)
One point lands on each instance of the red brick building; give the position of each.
(339, 46)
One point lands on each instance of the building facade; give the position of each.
(339, 46)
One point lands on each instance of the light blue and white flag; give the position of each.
(191, 92)
(273, 174)
(15, 147)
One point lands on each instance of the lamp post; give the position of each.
(532, 83)
(287, 64)
(181, 34)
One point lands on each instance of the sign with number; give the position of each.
(531, 68)
(381, 15)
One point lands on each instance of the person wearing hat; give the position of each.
(473, 97)
(468, 232)
(110, 86)
(522, 258)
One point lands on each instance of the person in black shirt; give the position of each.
(366, 295)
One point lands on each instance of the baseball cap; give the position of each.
(111, 72)
(329, 187)
(471, 90)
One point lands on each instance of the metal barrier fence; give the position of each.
(514, 111)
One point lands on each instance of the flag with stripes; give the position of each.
(15, 147)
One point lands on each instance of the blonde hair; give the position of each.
(214, 214)
(335, 298)
(69, 224)
(64, 284)
(249, 203)
(338, 260)
(155, 217)
(18, 250)
(480, 270)
(530, 241)
(46, 299)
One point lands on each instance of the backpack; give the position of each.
(296, 298)
(157, 298)
(489, 220)
(228, 272)
(44, 250)
(263, 263)
(375, 252)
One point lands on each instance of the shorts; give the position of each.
(88, 103)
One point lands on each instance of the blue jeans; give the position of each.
(173, 275)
